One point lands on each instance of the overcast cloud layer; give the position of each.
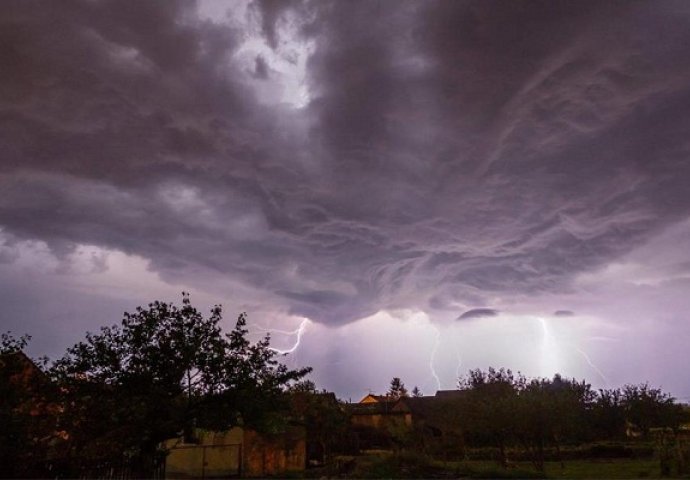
(474, 161)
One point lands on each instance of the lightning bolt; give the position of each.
(549, 341)
(299, 332)
(548, 344)
(545, 329)
(457, 369)
(594, 367)
(549, 358)
(437, 343)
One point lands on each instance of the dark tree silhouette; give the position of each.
(11, 344)
(550, 412)
(323, 416)
(163, 371)
(490, 407)
(397, 389)
(646, 407)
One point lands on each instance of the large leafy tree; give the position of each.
(647, 407)
(608, 416)
(550, 412)
(489, 407)
(323, 417)
(163, 371)
(639, 406)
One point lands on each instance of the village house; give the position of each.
(378, 417)
(380, 410)
(374, 411)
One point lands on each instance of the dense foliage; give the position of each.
(324, 418)
(163, 371)
(506, 410)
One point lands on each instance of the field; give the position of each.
(575, 469)
(416, 466)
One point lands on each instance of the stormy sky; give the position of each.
(405, 188)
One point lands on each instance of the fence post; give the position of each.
(203, 463)
(240, 462)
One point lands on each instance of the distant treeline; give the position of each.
(506, 411)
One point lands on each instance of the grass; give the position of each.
(419, 466)
(573, 469)
(614, 469)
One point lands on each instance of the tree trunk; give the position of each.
(502, 454)
(540, 456)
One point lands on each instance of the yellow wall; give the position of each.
(185, 463)
(227, 453)
(217, 454)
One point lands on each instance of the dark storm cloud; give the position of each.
(563, 313)
(270, 12)
(260, 68)
(500, 141)
(450, 151)
(478, 313)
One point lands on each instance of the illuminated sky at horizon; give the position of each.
(423, 187)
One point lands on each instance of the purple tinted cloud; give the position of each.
(449, 154)
(478, 313)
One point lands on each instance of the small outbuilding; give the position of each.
(238, 452)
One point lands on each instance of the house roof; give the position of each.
(416, 405)
(371, 398)
(20, 368)
(328, 396)
(451, 393)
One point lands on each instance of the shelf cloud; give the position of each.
(333, 159)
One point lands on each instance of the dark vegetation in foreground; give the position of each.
(167, 371)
